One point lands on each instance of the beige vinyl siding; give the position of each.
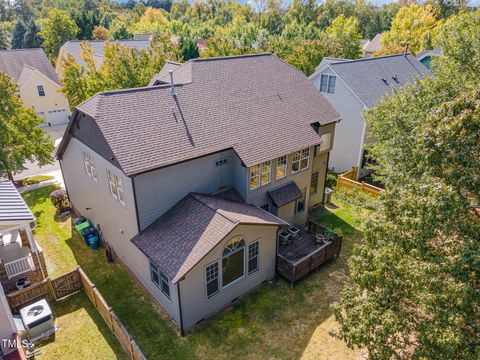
(53, 100)
(158, 190)
(259, 196)
(350, 131)
(196, 306)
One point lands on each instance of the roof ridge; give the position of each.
(17, 50)
(196, 197)
(229, 57)
(370, 58)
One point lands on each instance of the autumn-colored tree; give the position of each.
(100, 33)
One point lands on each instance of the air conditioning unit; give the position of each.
(284, 236)
(38, 320)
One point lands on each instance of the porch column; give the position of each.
(33, 244)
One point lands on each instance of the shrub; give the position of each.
(59, 199)
(331, 181)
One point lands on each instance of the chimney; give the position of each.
(406, 51)
(172, 89)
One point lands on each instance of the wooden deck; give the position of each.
(304, 255)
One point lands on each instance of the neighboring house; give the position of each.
(179, 177)
(372, 46)
(352, 86)
(426, 56)
(139, 42)
(7, 328)
(20, 254)
(37, 82)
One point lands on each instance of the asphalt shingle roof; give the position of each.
(285, 194)
(12, 63)
(373, 45)
(169, 66)
(12, 205)
(256, 104)
(364, 76)
(186, 233)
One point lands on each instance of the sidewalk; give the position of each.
(58, 179)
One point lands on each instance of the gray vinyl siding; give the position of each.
(158, 190)
(240, 177)
(350, 131)
(196, 306)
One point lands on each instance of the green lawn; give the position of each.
(275, 322)
(35, 179)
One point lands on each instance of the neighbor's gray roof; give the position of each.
(241, 102)
(164, 72)
(433, 52)
(12, 205)
(285, 194)
(373, 45)
(186, 233)
(364, 76)
(73, 48)
(12, 63)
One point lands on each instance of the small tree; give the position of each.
(100, 33)
(188, 48)
(59, 199)
(21, 137)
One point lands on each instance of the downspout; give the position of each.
(182, 332)
(136, 205)
(325, 178)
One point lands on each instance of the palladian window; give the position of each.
(233, 261)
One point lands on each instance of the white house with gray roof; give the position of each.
(353, 86)
(190, 182)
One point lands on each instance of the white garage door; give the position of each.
(56, 117)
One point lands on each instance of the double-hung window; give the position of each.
(327, 83)
(260, 174)
(211, 276)
(40, 90)
(282, 167)
(116, 187)
(89, 165)
(300, 160)
(160, 280)
(314, 183)
(253, 257)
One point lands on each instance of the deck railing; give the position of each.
(19, 266)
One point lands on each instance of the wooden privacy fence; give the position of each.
(67, 284)
(347, 180)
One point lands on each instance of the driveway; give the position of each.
(32, 169)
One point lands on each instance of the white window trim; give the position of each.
(114, 177)
(286, 167)
(38, 92)
(259, 176)
(257, 256)
(88, 163)
(160, 279)
(327, 85)
(244, 248)
(300, 169)
(219, 285)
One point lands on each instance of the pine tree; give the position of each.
(18, 36)
(31, 38)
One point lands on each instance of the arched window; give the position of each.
(233, 260)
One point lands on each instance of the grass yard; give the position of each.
(275, 322)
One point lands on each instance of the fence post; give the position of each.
(51, 290)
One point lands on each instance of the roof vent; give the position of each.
(406, 50)
(172, 85)
(385, 81)
(395, 78)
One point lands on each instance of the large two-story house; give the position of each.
(38, 85)
(190, 180)
(353, 86)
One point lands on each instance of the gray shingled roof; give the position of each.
(12, 206)
(373, 45)
(186, 233)
(285, 194)
(433, 52)
(98, 46)
(364, 76)
(256, 104)
(12, 63)
(164, 72)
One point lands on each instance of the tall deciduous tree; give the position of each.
(416, 273)
(57, 29)
(100, 33)
(345, 33)
(21, 137)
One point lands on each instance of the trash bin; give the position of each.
(327, 199)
